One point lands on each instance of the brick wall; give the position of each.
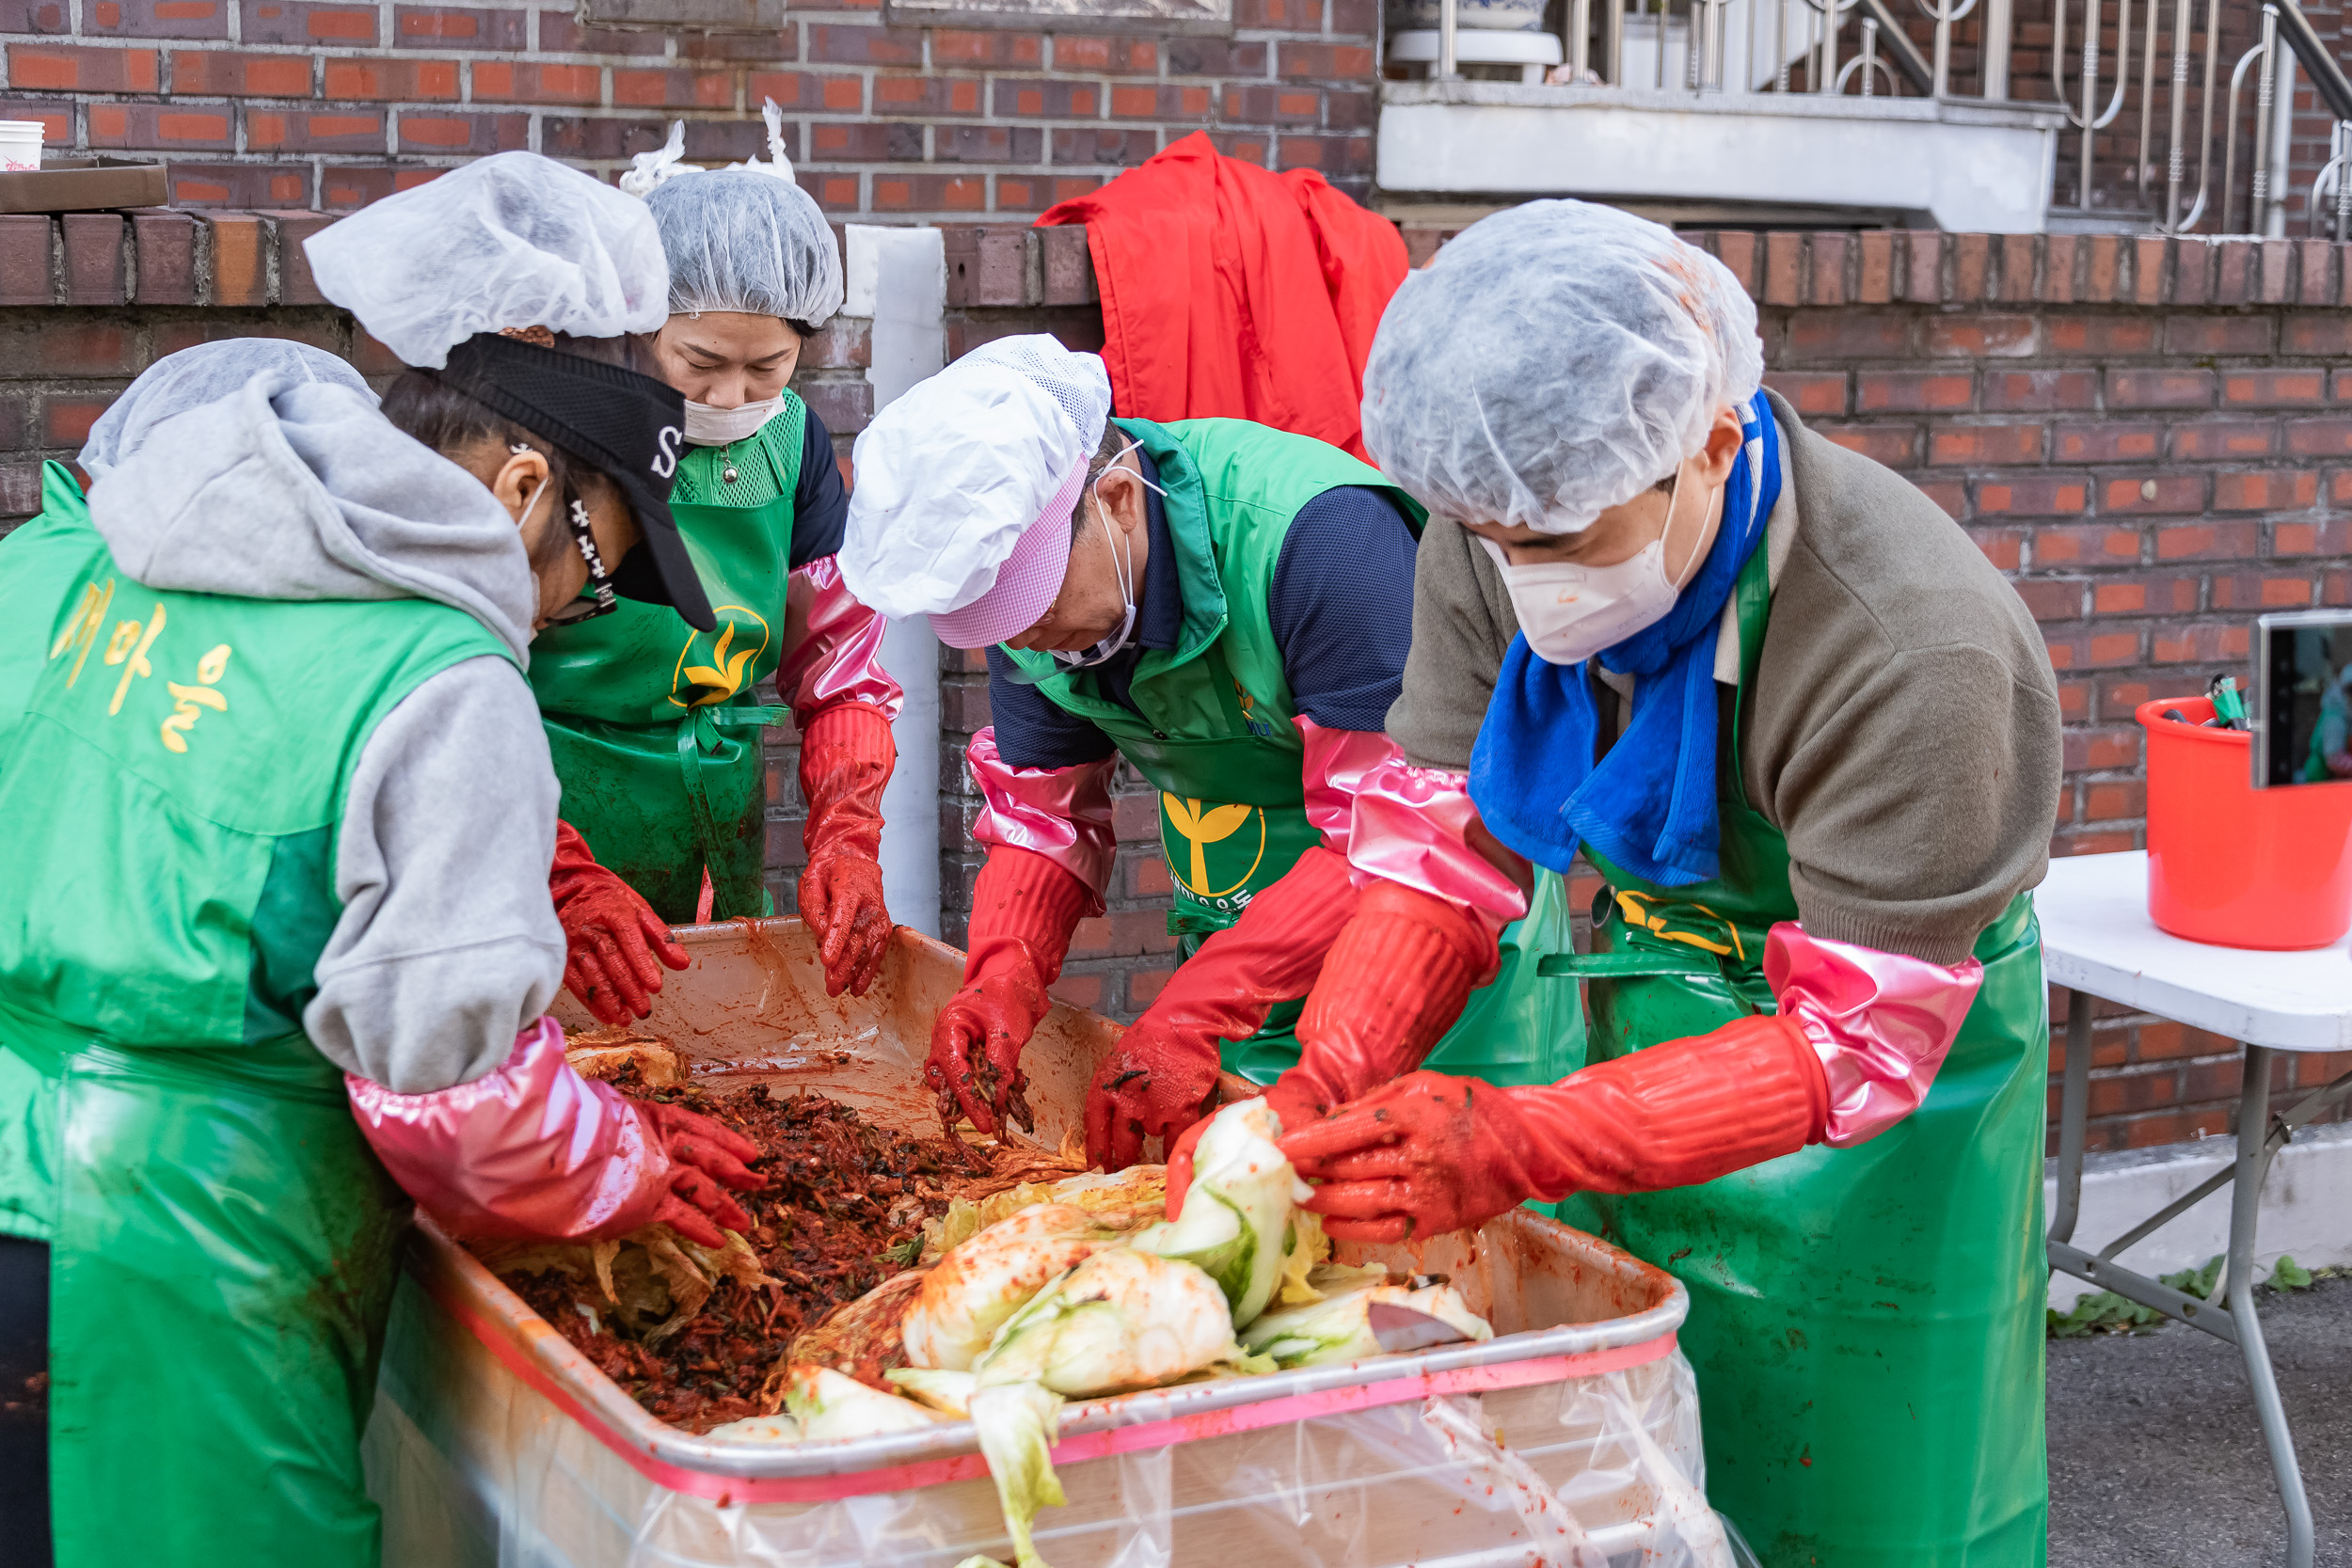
(2154, 441)
(2152, 438)
(330, 104)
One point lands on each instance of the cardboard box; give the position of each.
(84, 185)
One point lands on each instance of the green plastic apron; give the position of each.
(655, 726)
(1212, 730)
(1867, 1324)
(222, 1242)
(1230, 830)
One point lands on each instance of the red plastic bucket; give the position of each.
(2231, 864)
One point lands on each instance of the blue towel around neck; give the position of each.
(1649, 805)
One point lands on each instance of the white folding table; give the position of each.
(2097, 940)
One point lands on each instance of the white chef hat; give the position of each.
(965, 486)
(511, 241)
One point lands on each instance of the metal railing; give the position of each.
(2284, 41)
(2158, 46)
(1740, 46)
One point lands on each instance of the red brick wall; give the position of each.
(2035, 387)
(2152, 439)
(271, 104)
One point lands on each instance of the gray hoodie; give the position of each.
(294, 487)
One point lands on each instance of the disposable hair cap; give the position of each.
(952, 474)
(511, 241)
(1555, 360)
(199, 375)
(750, 240)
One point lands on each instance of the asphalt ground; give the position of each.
(2157, 1459)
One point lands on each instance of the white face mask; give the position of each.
(1569, 612)
(707, 426)
(1123, 555)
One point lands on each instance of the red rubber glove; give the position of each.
(706, 1158)
(612, 937)
(1430, 1153)
(1023, 908)
(534, 1149)
(847, 753)
(1395, 981)
(1161, 1079)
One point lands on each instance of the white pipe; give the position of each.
(899, 277)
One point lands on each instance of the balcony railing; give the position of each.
(2254, 190)
(1757, 46)
(2205, 138)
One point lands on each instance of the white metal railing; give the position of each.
(2285, 38)
(1754, 46)
(1734, 46)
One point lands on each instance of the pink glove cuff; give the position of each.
(1881, 1022)
(832, 647)
(1416, 826)
(533, 1149)
(1063, 814)
(1333, 770)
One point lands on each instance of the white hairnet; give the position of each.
(510, 241)
(196, 376)
(750, 240)
(739, 241)
(1556, 359)
(951, 474)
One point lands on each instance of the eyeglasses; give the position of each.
(605, 601)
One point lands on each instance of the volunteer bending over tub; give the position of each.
(274, 938)
(1810, 736)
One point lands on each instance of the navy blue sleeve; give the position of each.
(1031, 732)
(1341, 607)
(821, 503)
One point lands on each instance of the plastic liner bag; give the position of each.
(473, 1468)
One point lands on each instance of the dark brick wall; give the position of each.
(2154, 441)
(2152, 438)
(270, 103)
(2038, 389)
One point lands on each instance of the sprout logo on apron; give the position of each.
(1224, 845)
(728, 667)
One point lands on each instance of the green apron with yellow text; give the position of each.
(1212, 730)
(655, 726)
(223, 1243)
(1867, 1324)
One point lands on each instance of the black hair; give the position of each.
(803, 329)
(422, 404)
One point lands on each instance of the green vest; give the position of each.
(1865, 1322)
(655, 727)
(1211, 728)
(172, 771)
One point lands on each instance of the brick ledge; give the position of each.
(160, 256)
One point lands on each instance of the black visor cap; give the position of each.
(628, 426)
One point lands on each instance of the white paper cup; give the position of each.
(19, 146)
